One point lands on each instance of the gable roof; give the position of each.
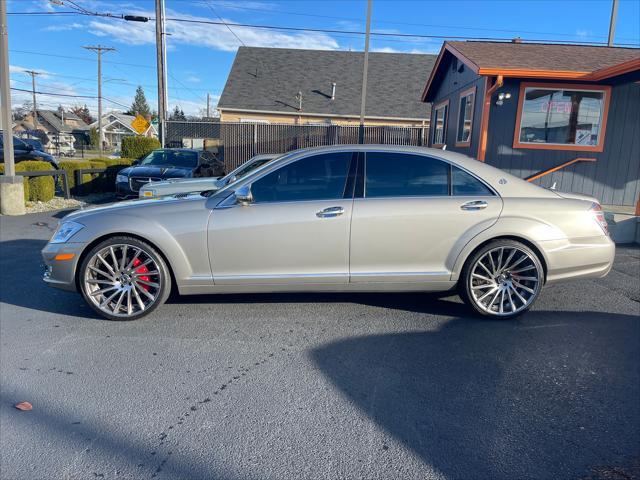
(123, 119)
(268, 79)
(541, 60)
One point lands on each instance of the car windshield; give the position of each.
(241, 171)
(172, 158)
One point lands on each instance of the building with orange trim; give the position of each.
(531, 108)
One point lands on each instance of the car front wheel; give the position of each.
(503, 279)
(124, 278)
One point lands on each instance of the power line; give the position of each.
(225, 24)
(392, 22)
(378, 34)
(86, 59)
(53, 94)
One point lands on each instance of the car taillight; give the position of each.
(598, 216)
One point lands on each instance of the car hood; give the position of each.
(149, 205)
(155, 171)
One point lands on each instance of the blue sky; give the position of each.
(200, 56)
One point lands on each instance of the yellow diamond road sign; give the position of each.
(140, 124)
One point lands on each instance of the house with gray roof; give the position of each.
(116, 125)
(58, 130)
(284, 85)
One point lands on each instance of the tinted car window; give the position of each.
(464, 184)
(319, 177)
(173, 158)
(389, 174)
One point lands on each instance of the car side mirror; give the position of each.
(243, 195)
(135, 162)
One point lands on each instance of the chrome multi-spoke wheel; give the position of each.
(504, 279)
(124, 280)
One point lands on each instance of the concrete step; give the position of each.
(624, 227)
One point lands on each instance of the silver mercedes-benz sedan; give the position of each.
(342, 218)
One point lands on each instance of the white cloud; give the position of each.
(193, 78)
(217, 37)
(18, 69)
(63, 27)
(583, 33)
(395, 50)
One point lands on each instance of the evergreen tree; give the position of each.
(140, 105)
(178, 114)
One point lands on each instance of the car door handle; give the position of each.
(330, 212)
(474, 205)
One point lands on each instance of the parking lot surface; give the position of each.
(317, 386)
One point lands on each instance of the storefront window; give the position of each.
(561, 118)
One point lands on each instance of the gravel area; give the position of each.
(60, 203)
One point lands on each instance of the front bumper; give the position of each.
(123, 190)
(61, 273)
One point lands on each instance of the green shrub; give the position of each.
(138, 147)
(70, 166)
(97, 182)
(36, 188)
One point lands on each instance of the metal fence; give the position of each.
(236, 143)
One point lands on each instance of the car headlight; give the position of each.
(65, 231)
(121, 179)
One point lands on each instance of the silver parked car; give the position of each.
(187, 185)
(341, 218)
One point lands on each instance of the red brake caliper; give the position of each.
(142, 269)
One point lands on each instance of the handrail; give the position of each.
(542, 173)
(82, 171)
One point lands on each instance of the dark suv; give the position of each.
(23, 151)
(167, 163)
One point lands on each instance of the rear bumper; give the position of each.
(61, 273)
(578, 258)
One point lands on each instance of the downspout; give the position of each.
(486, 108)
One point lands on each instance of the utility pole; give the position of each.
(161, 64)
(612, 23)
(208, 105)
(363, 101)
(11, 186)
(99, 49)
(33, 92)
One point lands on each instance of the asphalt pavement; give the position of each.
(316, 386)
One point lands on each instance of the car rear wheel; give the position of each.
(124, 278)
(503, 279)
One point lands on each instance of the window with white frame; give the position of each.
(465, 117)
(440, 123)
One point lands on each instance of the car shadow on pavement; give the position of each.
(434, 303)
(21, 271)
(538, 397)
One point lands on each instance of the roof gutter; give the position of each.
(323, 115)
